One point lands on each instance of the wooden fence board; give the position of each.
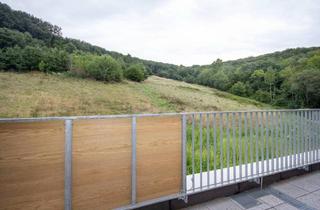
(32, 165)
(158, 156)
(101, 163)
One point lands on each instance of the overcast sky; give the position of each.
(184, 31)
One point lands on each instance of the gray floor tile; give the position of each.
(289, 189)
(312, 200)
(271, 200)
(245, 200)
(198, 207)
(223, 204)
(285, 206)
(262, 206)
(306, 183)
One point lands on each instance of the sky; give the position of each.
(184, 32)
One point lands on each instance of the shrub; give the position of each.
(239, 88)
(55, 60)
(103, 68)
(136, 73)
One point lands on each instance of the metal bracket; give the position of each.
(259, 181)
(255, 180)
(183, 196)
(306, 168)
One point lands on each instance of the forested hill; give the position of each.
(289, 78)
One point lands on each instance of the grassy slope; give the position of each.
(37, 94)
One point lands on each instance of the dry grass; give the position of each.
(37, 94)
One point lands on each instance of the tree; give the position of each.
(239, 88)
(135, 72)
(270, 78)
(103, 68)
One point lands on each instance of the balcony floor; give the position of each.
(301, 192)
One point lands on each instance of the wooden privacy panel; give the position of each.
(32, 165)
(101, 163)
(158, 156)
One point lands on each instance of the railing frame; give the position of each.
(183, 194)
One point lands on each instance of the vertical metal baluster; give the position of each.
(308, 137)
(193, 124)
(286, 137)
(200, 149)
(221, 147)
(302, 133)
(208, 149)
(246, 145)
(214, 148)
(313, 137)
(240, 144)
(305, 137)
(68, 165)
(262, 143)
(257, 142)
(298, 135)
(251, 144)
(272, 140)
(228, 147)
(316, 134)
(295, 138)
(234, 145)
(267, 141)
(281, 140)
(318, 129)
(301, 137)
(277, 139)
(184, 156)
(290, 138)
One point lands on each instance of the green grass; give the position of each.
(36, 94)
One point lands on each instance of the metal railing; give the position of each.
(223, 148)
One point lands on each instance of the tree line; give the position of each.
(29, 44)
(290, 78)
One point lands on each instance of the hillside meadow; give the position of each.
(36, 94)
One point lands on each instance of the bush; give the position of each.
(54, 60)
(239, 88)
(103, 68)
(136, 73)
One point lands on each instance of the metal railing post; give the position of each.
(133, 160)
(68, 166)
(184, 159)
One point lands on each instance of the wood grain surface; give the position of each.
(32, 165)
(101, 163)
(158, 156)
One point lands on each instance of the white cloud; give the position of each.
(185, 31)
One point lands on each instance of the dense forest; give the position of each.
(290, 78)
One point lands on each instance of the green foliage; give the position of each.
(29, 58)
(103, 68)
(55, 60)
(239, 88)
(135, 72)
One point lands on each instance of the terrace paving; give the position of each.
(301, 192)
